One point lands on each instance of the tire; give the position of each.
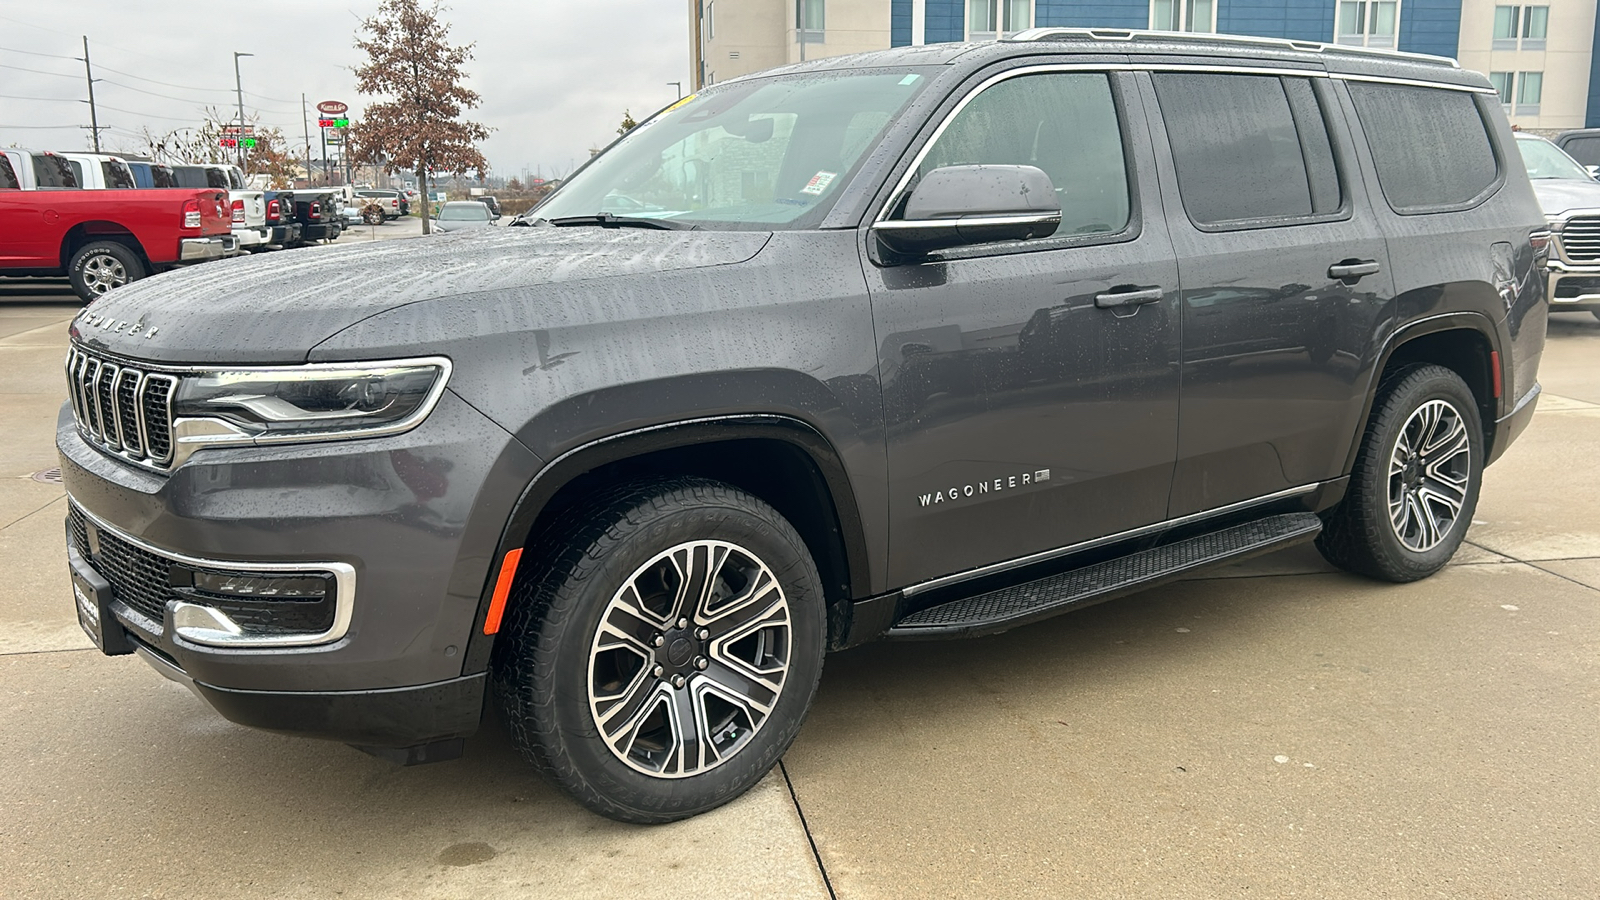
(1424, 445)
(569, 690)
(99, 267)
(372, 216)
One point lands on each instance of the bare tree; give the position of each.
(203, 145)
(419, 128)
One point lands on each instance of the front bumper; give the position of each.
(415, 518)
(201, 249)
(1573, 287)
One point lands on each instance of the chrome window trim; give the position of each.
(896, 195)
(969, 221)
(344, 576)
(922, 587)
(1220, 39)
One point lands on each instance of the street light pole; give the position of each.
(679, 86)
(238, 87)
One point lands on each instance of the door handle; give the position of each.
(1128, 295)
(1352, 269)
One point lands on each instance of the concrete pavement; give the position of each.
(1272, 729)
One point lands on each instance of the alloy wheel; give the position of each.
(102, 272)
(689, 659)
(1429, 472)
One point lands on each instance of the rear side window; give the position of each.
(162, 177)
(1063, 123)
(51, 171)
(1585, 150)
(116, 175)
(1431, 146)
(190, 176)
(1248, 148)
(8, 177)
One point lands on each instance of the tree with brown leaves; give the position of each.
(419, 128)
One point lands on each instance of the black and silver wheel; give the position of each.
(99, 267)
(664, 655)
(1415, 482)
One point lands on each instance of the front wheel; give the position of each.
(663, 652)
(99, 267)
(1416, 478)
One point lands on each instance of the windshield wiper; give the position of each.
(607, 220)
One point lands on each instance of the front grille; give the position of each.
(124, 409)
(1571, 288)
(1580, 239)
(145, 581)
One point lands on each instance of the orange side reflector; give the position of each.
(1494, 369)
(502, 590)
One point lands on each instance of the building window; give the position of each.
(1183, 15)
(991, 19)
(1502, 86)
(809, 21)
(1520, 27)
(1530, 85)
(1367, 23)
(711, 20)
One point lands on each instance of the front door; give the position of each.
(1285, 278)
(1023, 415)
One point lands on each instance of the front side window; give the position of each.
(1063, 123)
(809, 21)
(1248, 148)
(766, 153)
(1367, 23)
(1586, 150)
(1430, 145)
(1183, 15)
(991, 19)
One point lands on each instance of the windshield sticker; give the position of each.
(819, 183)
(910, 79)
(679, 103)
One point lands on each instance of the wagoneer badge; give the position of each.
(991, 486)
(117, 326)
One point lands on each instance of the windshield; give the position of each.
(768, 153)
(1545, 160)
(464, 213)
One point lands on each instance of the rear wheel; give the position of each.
(662, 655)
(1415, 482)
(99, 267)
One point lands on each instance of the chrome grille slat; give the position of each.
(122, 409)
(1580, 239)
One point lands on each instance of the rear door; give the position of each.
(1285, 279)
(1022, 416)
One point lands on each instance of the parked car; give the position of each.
(1570, 197)
(463, 215)
(249, 206)
(491, 202)
(320, 213)
(918, 366)
(40, 170)
(284, 229)
(100, 171)
(103, 239)
(389, 200)
(152, 175)
(1583, 145)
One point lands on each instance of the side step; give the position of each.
(1020, 604)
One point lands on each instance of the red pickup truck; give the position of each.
(103, 239)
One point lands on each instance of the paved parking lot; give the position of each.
(1274, 729)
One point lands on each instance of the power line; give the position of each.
(36, 71)
(36, 53)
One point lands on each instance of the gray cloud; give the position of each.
(555, 75)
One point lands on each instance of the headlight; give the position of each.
(305, 403)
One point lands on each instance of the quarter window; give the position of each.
(1248, 147)
(1367, 23)
(1065, 124)
(1183, 15)
(990, 19)
(1430, 146)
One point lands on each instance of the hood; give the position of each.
(273, 308)
(1558, 195)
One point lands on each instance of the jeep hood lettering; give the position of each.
(274, 308)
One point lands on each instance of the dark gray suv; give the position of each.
(914, 344)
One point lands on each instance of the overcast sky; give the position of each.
(554, 75)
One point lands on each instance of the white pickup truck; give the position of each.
(100, 171)
(249, 206)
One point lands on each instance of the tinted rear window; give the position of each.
(8, 178)
(200, 177)
(51, 171)
(116, 175)
(1585, 150)
(1248, 147)
(161, 177)
(1431, 146)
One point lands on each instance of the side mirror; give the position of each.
(956, 206)
(1594, 171)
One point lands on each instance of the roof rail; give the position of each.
(1223, 40)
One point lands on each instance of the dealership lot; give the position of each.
(1273, 729)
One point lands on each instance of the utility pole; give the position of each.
(94, 116)
(306, 127)
(238, 87)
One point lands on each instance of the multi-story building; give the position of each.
(1540, 55)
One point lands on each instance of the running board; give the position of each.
(1020, 604)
